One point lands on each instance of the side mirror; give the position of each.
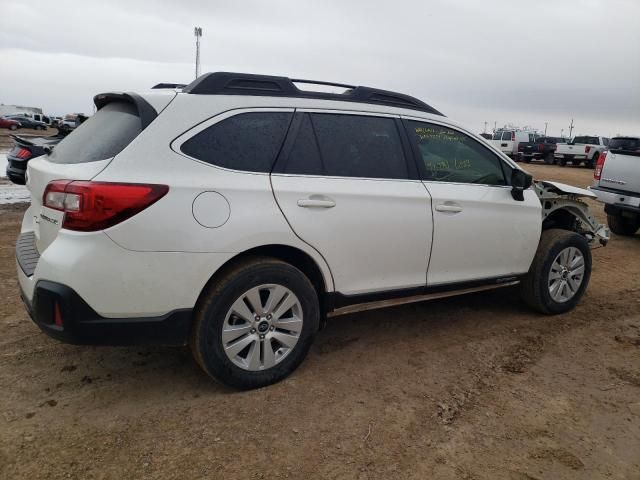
(520, 181)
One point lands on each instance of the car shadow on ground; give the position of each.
(161, 368)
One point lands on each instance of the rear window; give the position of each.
(507, 136)
(586, 141)
(629, 144)
(102, 136)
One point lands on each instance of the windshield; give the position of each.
(102, 136)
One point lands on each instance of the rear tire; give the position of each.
(591, 163)
(562, 162)
(549, 159)
(232, 312)
(13, 127)
(559, 273)
(622, 225)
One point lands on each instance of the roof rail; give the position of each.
(227, 83)
(169, 85)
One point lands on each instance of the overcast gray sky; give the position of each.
(523, 62)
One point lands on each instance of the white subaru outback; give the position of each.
(236, 213)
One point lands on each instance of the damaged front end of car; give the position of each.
(562, 208)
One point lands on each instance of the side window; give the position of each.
(451, 156)
(247, 141)
(605, 141)
(347, 146)
(304, 157)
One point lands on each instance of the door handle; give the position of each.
(316, 203)
(448, 208)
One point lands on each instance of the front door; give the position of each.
(480, 231)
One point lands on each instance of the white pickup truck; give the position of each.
(616, 182)
(583, 148)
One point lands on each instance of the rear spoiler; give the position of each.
(20, 140)
(146, 112)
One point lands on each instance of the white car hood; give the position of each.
(564, 188)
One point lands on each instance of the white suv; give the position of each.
(237, 213)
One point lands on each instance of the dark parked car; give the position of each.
(9, 123)
(542, 148)
(27, 122)
(24, 150)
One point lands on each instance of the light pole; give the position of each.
(197, 31)
(571, 129)
(545, 129)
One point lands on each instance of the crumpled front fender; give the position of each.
(556, 196)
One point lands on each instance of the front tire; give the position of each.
(255, 325)
(622, 225)
(559, 273)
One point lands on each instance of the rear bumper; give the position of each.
(617, 200)
(62, 314)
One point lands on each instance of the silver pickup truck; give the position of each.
(617, 184)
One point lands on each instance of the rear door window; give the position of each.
(247, 141)
(347, 146)
(506, 136)
(102, 136)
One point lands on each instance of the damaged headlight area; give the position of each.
(562, 208)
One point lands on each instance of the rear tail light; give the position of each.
(587, 149)
(597, 172)
(91, 206)
(57, 316)
(513, 136)
(23, 153)
(541, 147)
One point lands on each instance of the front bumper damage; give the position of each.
(556, 196)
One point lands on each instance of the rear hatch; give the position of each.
(83, 154)
(621, 169)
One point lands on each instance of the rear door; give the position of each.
(346, 187)
(80, 156)
(480, 231)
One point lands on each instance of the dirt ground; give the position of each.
(474, 387)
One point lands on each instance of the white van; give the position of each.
(507, 140)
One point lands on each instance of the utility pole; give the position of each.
(562, 133)
(485, 127)
(545, 129)
(197, 31)
(571, 129)
(495, 126)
